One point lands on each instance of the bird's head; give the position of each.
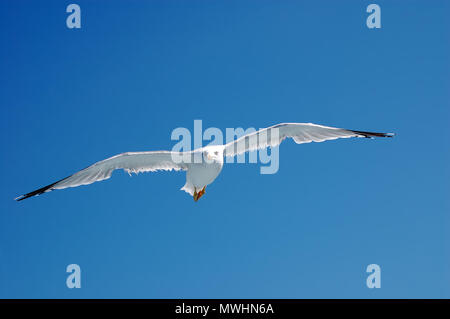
(213, 154)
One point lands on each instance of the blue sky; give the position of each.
(138, 69)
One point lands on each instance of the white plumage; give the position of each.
(210, 159)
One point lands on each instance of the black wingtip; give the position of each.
(373, 134)
(18, 199)
(36, 192)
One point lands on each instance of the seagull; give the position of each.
(210, 159)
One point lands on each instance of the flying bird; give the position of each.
(202, 165)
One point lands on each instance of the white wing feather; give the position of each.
(300, 132)
(132, 162)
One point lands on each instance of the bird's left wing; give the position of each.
(300, 132)
(132, 162)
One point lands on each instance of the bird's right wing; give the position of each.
(301, 133)
(133, 162)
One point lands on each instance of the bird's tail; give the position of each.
(188, 188)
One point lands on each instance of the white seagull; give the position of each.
(202, 172)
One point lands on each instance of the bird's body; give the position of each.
(203, 165)
(200, 175)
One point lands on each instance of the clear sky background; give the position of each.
(136, 70)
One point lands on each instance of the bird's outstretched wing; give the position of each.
(300, 132)
(133, 162)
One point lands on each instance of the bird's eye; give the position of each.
(217, 153)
